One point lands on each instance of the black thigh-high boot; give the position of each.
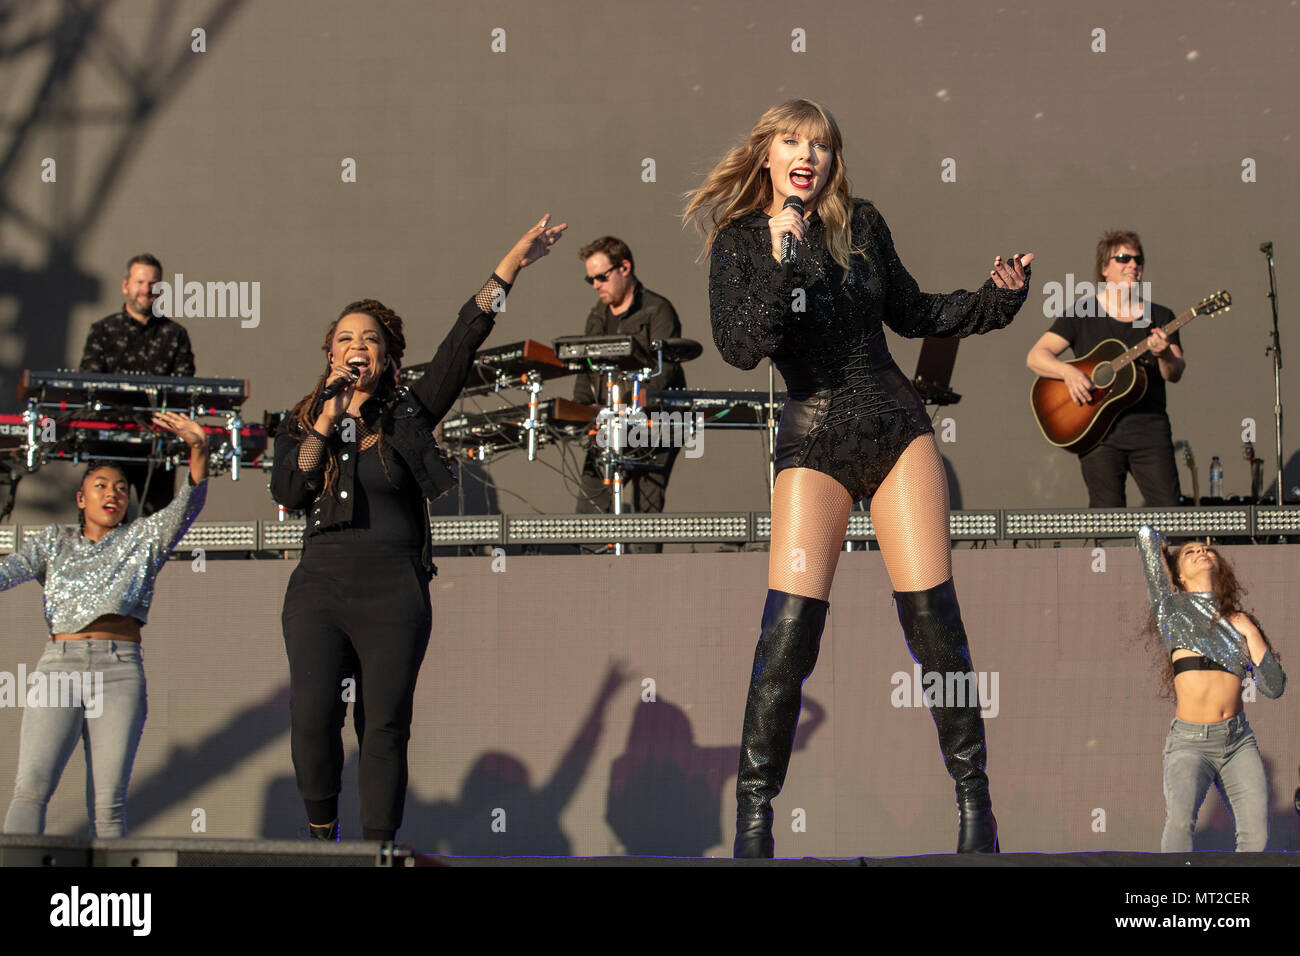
(785, 655)
(932, 624)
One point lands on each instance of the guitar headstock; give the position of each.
(1221, 301)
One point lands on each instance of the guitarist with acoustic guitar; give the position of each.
(1120, 439)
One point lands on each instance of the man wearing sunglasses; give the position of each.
(626, 307)
(1140, 441)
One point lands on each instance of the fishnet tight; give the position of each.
(312, 450)
(810, 512)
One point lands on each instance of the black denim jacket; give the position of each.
(407, 417)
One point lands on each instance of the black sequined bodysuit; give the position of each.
(851, 412)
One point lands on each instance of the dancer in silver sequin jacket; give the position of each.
(89, 685)
(1211, 646)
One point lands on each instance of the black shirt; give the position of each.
(649, 317)
(388, 501)
(119, 343)
(385, 510)
(1086, 332)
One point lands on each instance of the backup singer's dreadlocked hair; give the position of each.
(303, 416)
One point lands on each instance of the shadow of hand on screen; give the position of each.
(189, 770)
(666, 793)
(499, 812)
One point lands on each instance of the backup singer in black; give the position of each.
(362, 464)
(853, 428)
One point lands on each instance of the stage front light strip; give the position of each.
(282, 535)
(1276, 520)
(962, 526)
(975, 525)
(748, 527)
(220, 536)
(1124, 523)
(467, 529)
(574, 529)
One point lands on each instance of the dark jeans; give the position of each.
(643, 492)
(363, 614)
(1141, 444)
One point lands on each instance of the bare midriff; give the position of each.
(1206, 697)
(109, 627)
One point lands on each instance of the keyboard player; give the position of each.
(136, 340)
(626, 307)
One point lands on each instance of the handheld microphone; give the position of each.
(329, 391)
(1266, 248)
(788, 241)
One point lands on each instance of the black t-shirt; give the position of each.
(385, 514)
(388, 510)
(1085, 332)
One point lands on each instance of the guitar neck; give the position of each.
(1131, 355)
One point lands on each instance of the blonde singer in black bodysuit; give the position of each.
(852, 428)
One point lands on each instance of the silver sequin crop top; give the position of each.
(85, 579)
(1190, 620)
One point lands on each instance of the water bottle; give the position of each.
(1216, 478)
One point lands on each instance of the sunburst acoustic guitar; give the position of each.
(1118, 383)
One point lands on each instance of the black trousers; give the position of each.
(1141, 444)
(362, 614)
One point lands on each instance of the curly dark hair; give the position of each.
(1228, 593)
(303, 415)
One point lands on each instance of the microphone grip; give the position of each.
(332, 389)
(788, 243)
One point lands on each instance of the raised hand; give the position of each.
(194, 436)
(182, 425)
(1011, 274)
(537, 241)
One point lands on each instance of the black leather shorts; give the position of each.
(854, 434)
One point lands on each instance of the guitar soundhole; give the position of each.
(1103, 375)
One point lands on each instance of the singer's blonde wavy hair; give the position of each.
(739, 185)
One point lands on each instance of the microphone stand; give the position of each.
(1275, 350)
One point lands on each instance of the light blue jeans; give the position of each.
(109, 723)
(1225, 754)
